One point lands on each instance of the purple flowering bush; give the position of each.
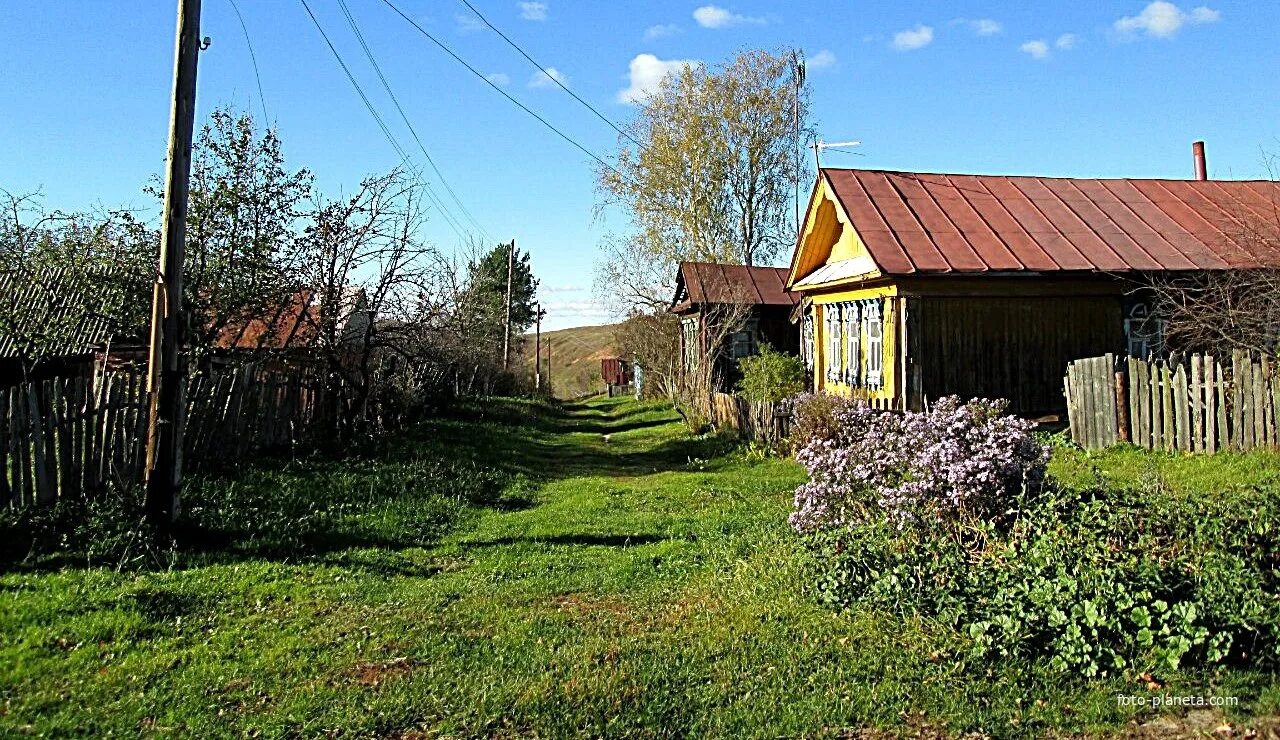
(956, 461)
(947, 515)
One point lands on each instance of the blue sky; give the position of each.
(1110, 88)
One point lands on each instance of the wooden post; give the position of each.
(165, 365)
(506, 325)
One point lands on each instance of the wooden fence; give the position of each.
(1191, 404)
(67, 436)
(756, 420)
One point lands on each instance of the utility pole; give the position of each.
(506, 333)
(537, 351)
(166, 376)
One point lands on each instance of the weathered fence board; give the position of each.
(756, 420)
(1191, 404)
(67, 436)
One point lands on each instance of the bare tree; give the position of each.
(1232, 309)
(652, 341)
(368, 279)
(705, 370)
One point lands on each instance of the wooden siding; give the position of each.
(1006, 347)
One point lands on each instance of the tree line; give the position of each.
(265, 246)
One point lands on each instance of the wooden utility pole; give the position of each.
(506, 333)
(537, 351)
(166, 376)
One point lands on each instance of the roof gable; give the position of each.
(938, 223)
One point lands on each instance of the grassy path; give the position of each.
(640, 584)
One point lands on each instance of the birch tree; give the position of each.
(707, 171)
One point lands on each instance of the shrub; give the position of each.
(956, 461)
(770, 376)
(813, 417)
(1096, 582)
(945, 516)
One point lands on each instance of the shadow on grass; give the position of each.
(583, 540)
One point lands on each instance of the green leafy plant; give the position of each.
(770, 376)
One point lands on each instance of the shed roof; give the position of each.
(706, 282)
(56, 310)
(944, 223)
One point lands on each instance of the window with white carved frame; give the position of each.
(873, 325)
(852, 335)
(831, 314)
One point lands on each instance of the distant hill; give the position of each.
(575, 358)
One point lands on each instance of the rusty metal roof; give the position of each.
(939, 223)
(705, 282)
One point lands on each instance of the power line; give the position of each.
(391, 139)
(552, 77)
(403, 116)
(504, 93)
(262, 99)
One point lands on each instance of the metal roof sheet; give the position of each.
(940, 223)
(706, 282)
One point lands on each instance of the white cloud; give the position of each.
(1162, 19)
(714, 16)
(986, 27)
(533, 11)
(581, 309)
(1038, 49)
(822, 60)
(646, 74)
(499, 78)
(468, 23)
(660, 31)
(1067, 41)
(548, 78)
(914, 38)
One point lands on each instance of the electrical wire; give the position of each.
(252, 58)
(355, 28)
(505, 94)
(386, 132)
(550, 76)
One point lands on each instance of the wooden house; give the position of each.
(917, 285)
(756, 297)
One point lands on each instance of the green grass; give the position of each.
(646, 585)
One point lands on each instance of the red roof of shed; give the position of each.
(706, 282)
(930, 223)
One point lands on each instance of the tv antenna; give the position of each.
(819, 145)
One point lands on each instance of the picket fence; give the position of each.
(1193, 404)
(761, 421)
(75, 436)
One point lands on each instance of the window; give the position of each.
(852, 335)
(1144, 332)
(874, 326)
(831, 313)
(689, 342)
(806, 340)
(744, 341)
